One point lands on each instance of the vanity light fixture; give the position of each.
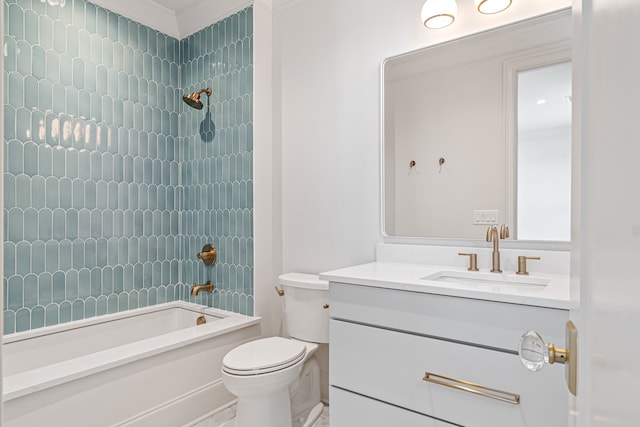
(492, 6)
(441, 13)
(438, 13)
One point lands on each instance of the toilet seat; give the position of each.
(263, 356)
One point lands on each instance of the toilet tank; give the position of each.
(306, 306)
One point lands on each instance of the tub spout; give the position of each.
(195, 289)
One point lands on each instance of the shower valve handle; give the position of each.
(208, 254)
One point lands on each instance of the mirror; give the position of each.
(476, 131)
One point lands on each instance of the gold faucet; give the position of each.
(492, 236)
(208, 287)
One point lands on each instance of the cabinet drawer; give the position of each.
(351, 410)
(390, 366)
(487, 323)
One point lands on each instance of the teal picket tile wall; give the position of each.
(216, 159)
(98, 217)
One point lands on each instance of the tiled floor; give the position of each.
(227, 418)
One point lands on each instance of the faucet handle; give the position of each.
(208, 255)
(489, 231)
(473, 261)
(504, 231)
(522, 264)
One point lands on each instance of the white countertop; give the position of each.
(409, 277)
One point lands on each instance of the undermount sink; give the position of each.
(489, 280)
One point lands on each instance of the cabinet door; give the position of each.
(390, 366)
(353, 410)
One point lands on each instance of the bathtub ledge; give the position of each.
(34, 380)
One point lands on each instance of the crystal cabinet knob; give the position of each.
(534, 353)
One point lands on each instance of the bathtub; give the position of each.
(149, 366)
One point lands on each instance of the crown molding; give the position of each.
(180, 23)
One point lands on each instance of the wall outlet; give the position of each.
(486, 217)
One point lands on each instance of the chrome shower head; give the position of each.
(193, 100)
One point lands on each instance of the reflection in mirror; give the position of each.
(544, 153)
(451, 156)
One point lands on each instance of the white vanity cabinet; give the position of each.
(383, 342)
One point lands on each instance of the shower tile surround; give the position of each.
(113, 185)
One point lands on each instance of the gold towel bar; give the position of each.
(469, 387)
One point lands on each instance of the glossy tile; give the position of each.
(93, 193)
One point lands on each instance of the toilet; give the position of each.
(277, 380)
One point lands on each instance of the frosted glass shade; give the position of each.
(438, 13)
(492, 6)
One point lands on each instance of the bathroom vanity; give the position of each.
(422, 345)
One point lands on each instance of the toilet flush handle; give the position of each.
(325, 306)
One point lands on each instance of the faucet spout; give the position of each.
(492, 236)
(207, 287)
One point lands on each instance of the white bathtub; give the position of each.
(150, 366)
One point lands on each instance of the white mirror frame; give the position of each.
(563, 51)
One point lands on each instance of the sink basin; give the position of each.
(489, 280)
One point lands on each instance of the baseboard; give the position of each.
(211, 414)
(186, 409)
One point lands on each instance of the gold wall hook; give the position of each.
(208, 254)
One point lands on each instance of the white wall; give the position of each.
(327, 57)
(266, 175)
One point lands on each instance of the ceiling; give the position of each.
(177, 18)
(175, 5)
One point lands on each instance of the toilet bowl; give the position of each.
(276, 379)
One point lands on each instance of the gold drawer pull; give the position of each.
(503, 396)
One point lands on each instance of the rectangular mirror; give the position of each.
(477, 131)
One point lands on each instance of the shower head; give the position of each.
(193, 100)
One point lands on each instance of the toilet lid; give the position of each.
(263, 356)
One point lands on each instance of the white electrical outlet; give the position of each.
(486, 217)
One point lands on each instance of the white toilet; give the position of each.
(277, 380)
